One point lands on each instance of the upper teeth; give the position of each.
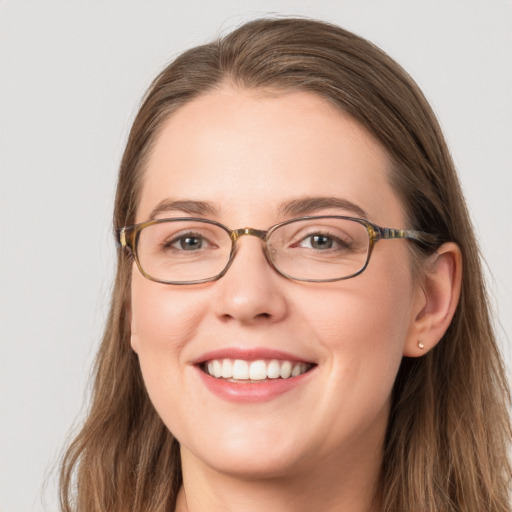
(240, 369)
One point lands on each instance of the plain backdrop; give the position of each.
(72, 74)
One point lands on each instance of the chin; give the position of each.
(252, 466)
(248, 457)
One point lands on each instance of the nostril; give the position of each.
(263, 316)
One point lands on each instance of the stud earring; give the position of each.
(420, 345)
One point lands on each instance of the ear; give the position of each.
(437, 299)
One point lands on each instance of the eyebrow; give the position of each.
(186, 206)
(309, 205)
(295, 207)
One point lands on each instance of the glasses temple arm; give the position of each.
(419, 236)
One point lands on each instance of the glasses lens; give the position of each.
(182, 251)
(320, 249)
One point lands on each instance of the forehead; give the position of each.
(248, 150)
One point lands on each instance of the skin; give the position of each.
(319, 445)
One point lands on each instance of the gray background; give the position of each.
(72, 74)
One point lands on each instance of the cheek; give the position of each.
(364, 324)
(162, 318)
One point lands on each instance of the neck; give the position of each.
(347, 485)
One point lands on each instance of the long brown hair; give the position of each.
(449, 428)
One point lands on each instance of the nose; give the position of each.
(251, 291)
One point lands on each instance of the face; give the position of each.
(237, 157)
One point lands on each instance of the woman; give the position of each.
(299, 320)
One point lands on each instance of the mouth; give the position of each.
(252, 375)
(254, 371)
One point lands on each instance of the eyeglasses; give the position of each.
(314, 249)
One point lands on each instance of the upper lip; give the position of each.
(249, 354)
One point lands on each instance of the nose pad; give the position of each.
(251, 289)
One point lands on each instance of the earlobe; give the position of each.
(440, 291)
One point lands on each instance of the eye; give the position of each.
(187, 242)
(322, 242)
(317, 241)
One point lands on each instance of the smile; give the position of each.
(254, 371)
(252, 375)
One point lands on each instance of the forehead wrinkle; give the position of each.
(186, 206)
(308, 205)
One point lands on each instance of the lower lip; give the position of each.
(251, 392)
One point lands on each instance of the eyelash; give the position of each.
(168, 244)
(336, 240)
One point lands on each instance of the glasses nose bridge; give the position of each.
(237, 233)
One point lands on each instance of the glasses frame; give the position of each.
(128, 237)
